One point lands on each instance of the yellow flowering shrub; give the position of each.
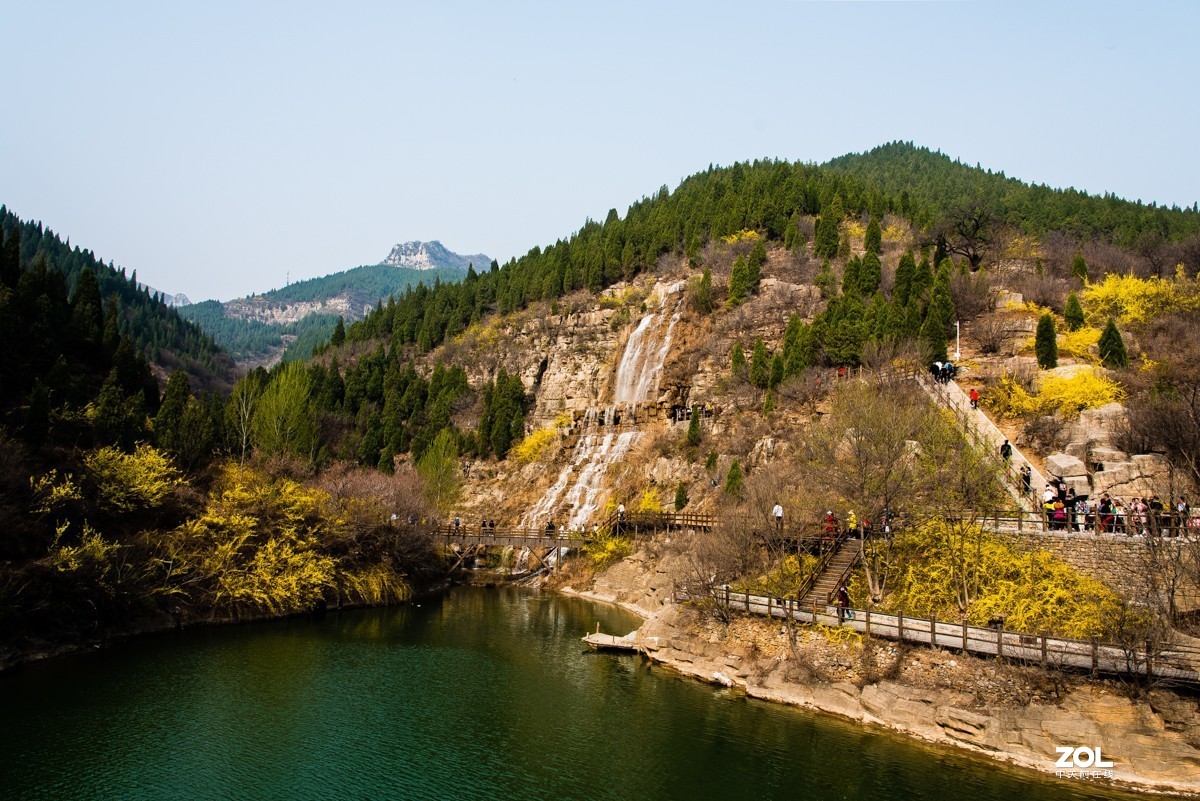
(1134, 300)
(1035, 591)
(895, 232)
(649, 501)
(744, 235)
(1066, 395)
(128, 482)
(607, 549)
(1078, 344)
(1021, 247)
(854, 229)
(532, 447)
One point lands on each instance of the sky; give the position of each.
(223, 148)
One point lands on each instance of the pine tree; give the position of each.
(739, 282)
(850, 277)
(339, 333)
(1073, 315)
(827, 236)
(778, 369)
(734, 480)
(168, 424)
(873, 240)
(1045, 342)
(760, 365)
(757, 258)
(693, 430)
(869, 274)
(737, 361)
(825, 280)
(681, 497)
(1112, 346)
(1079, 267)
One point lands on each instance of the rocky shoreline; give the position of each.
(1012, 713)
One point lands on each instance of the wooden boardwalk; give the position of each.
(1178, 663)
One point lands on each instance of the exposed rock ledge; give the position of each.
(937, 696)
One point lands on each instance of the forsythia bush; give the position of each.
(1056, 394)
(1035, 591)
(607, 549)
(1079, 343)
(255, 546)
(1134, 300)
(132, 481)
(533, 446)
(744, 235)
(649, 501)
(854, 229)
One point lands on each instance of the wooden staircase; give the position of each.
(836, 568)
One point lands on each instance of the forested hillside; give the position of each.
(153, 328)
(884, 266)
(250, 328)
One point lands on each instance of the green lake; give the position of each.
(476, 694)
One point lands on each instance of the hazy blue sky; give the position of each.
(216, 146)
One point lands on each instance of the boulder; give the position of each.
(1065, 466)
(1107, 456)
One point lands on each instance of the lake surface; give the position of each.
(478, 694)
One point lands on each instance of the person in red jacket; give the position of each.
(974, 398)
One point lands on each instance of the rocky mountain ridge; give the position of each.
(433, 255)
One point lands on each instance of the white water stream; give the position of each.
(577, 490)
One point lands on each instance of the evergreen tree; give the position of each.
(873, 240)
(1045, 342)
(1073, 315)
(168, 424)
(778, 370)
(870, 273)
(760, 365)
(933, 337)
(87, 308)
(737, 361)
(693, 430)
(905, 272)
(922, 281)
(825, 280)
(850, 282)
(739, 282)
(10, 256)
(757, 258)
(681, 496)
(339, 333)
(734, 480)
(827, 235)
(1112, 346)
(1079, 267)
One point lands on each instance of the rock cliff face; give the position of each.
(280, 313)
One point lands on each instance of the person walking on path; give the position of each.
(778, 513)
(1027, 479)
(974, 398)
(1006, 451)
(843, 604)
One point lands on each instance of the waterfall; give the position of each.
(579, 484)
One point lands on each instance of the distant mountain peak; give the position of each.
(433, 255)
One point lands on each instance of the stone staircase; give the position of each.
(848, 552)
(979, 427)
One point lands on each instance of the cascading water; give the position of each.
(578, 486)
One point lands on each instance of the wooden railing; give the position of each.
(1179, 663)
